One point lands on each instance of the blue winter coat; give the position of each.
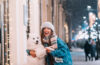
(62, 53)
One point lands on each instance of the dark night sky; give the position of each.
(77, 9)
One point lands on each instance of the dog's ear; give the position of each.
(31, 35)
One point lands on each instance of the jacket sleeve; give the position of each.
(62, 49)
(28, 52)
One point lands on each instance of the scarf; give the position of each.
(50, 40)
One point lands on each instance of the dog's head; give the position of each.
(34, 39)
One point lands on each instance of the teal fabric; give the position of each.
(62, 52)
(28, 52)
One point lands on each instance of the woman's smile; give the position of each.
(47, 31)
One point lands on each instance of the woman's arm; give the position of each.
(59, 52)
(31, 52)
(62, 49)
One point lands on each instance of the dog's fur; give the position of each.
(34, 43)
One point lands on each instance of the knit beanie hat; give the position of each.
(48, 25)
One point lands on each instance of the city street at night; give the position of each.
(49, 32)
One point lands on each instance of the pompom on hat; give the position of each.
(48, 25)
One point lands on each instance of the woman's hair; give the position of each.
(42, 36)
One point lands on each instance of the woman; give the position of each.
(57, 51)
(61, 54)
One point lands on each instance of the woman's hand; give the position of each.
(48, 50)
(32, 53)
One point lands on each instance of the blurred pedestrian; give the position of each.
(93, 50)
(87, 50)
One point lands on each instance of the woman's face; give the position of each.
(47, 31)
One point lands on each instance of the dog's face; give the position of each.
(34, 39)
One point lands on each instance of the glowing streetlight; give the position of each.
(88, 7)
(84, 17)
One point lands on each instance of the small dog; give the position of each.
(34, 43)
